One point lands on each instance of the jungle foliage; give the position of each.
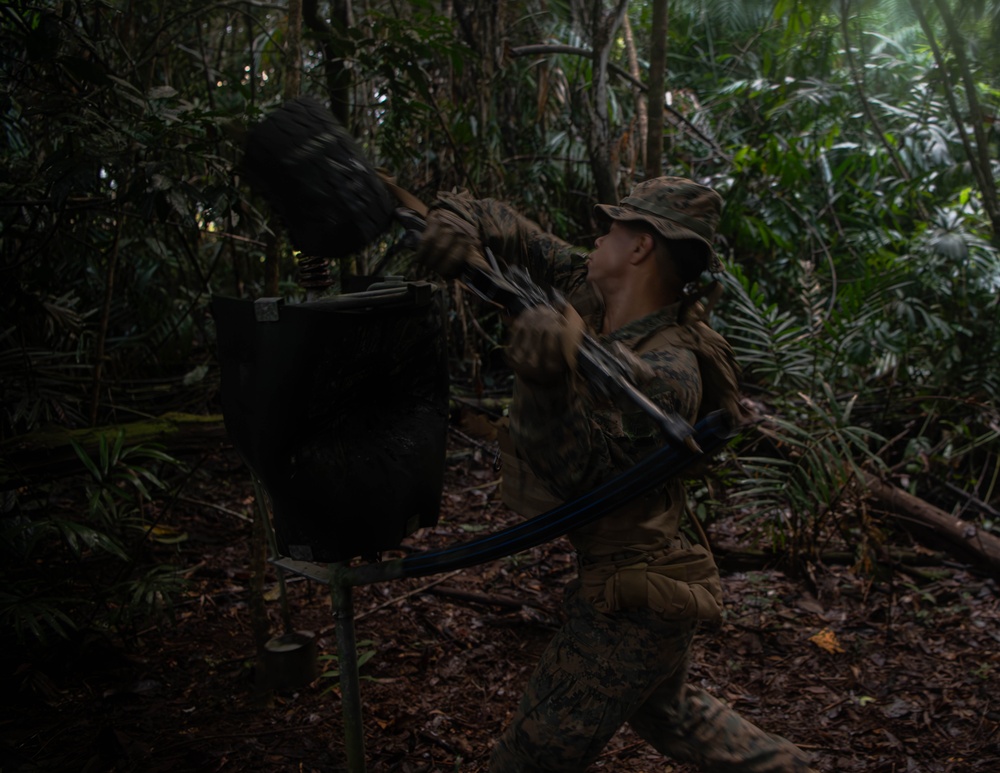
(855, 143)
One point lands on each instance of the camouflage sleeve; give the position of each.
(573, 445)
(519, 241)
(570, 443)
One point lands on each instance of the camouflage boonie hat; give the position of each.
(676, 207)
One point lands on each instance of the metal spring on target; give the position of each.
(314, 273)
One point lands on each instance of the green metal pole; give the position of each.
(347, 658)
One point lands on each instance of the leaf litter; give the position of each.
(867, 676)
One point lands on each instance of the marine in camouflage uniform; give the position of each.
(622, 654)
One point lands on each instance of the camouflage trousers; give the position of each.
(603, 670)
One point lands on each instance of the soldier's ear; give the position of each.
(645, 247)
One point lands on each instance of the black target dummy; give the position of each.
(340, 407)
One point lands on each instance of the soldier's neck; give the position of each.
(631, 302)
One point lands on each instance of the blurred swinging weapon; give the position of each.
(604, 374)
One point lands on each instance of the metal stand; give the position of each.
(338, 578)
(347, 658)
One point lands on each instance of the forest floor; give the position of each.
(896, 674)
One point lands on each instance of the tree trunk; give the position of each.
(981, 163)
(857, 76)
(293, 51)
(979, 155)
(272, 266)
(338, 77)
(657, 88)
(641, 134)
(102, 332)
(600, 147)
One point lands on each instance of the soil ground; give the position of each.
(896, 674)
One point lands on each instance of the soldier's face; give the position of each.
(609, 259)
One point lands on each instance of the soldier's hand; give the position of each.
(543, 344)
(449, 242)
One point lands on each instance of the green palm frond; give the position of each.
(814, 453)
(771, 345)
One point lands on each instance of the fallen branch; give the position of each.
(408, 594)
(219, 508)
(967, 536)
(733, 559)
(505, 602)
(49, 454)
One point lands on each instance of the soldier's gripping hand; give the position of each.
(543, 344)
(449, 243)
